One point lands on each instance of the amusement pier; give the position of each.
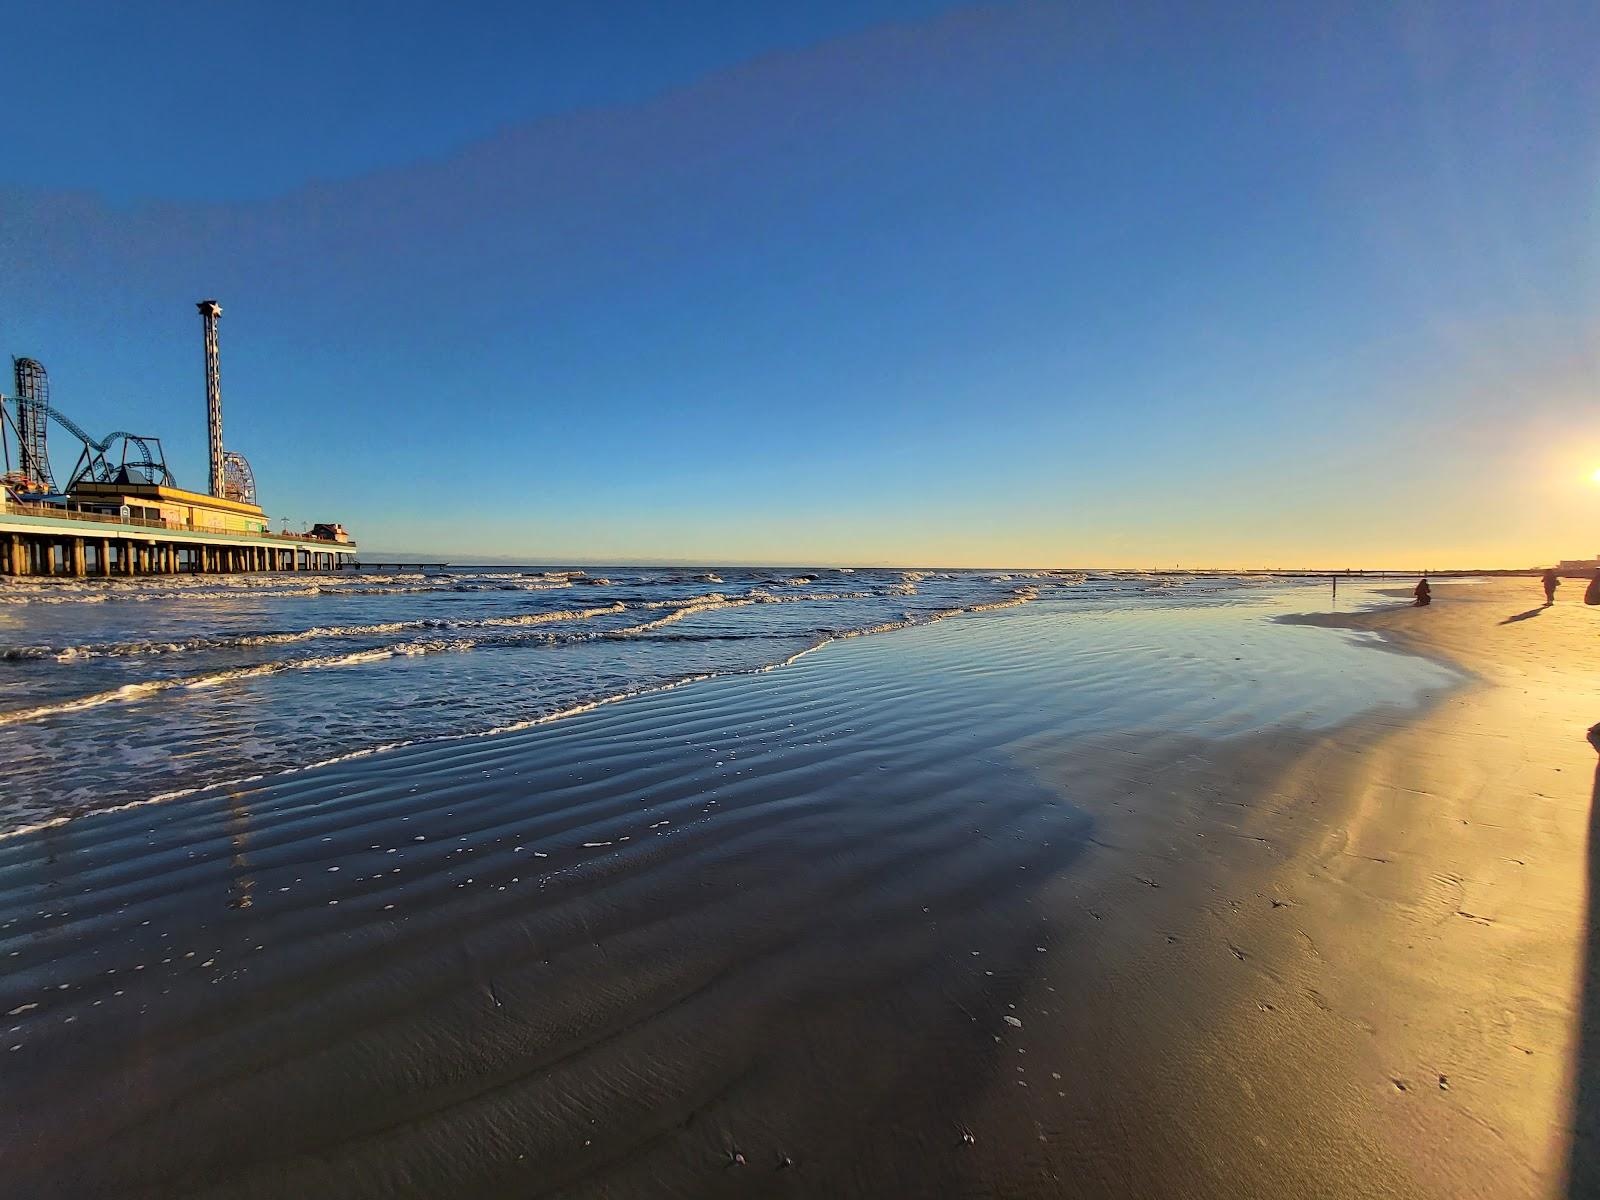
(122, 513)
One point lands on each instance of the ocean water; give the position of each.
(120, 692)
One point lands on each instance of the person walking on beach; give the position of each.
(1423, 593)
(1551, 582)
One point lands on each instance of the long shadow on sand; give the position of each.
(1523, 616)
(1583, 1168)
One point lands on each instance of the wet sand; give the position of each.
(912, 916)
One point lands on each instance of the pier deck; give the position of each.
(44, 541)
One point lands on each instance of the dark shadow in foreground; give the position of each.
(1583, 1167)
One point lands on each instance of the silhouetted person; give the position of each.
(1424, 594)
(1591, 594)
(1551, 582)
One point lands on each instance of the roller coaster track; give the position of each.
(93, 465)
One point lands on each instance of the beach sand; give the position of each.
(895, 920)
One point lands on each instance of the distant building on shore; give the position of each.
(1579, 564)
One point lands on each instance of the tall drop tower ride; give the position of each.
(33, 415)
(210, 310)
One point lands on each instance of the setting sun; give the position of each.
(1596, 475)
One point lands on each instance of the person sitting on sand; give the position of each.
(1424, 593)
(1551, 582)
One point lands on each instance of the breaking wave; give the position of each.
(140, 691)
(145, 689)
(258, 669)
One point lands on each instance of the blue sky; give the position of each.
(875, 282)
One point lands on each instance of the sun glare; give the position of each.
(1596, 475)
